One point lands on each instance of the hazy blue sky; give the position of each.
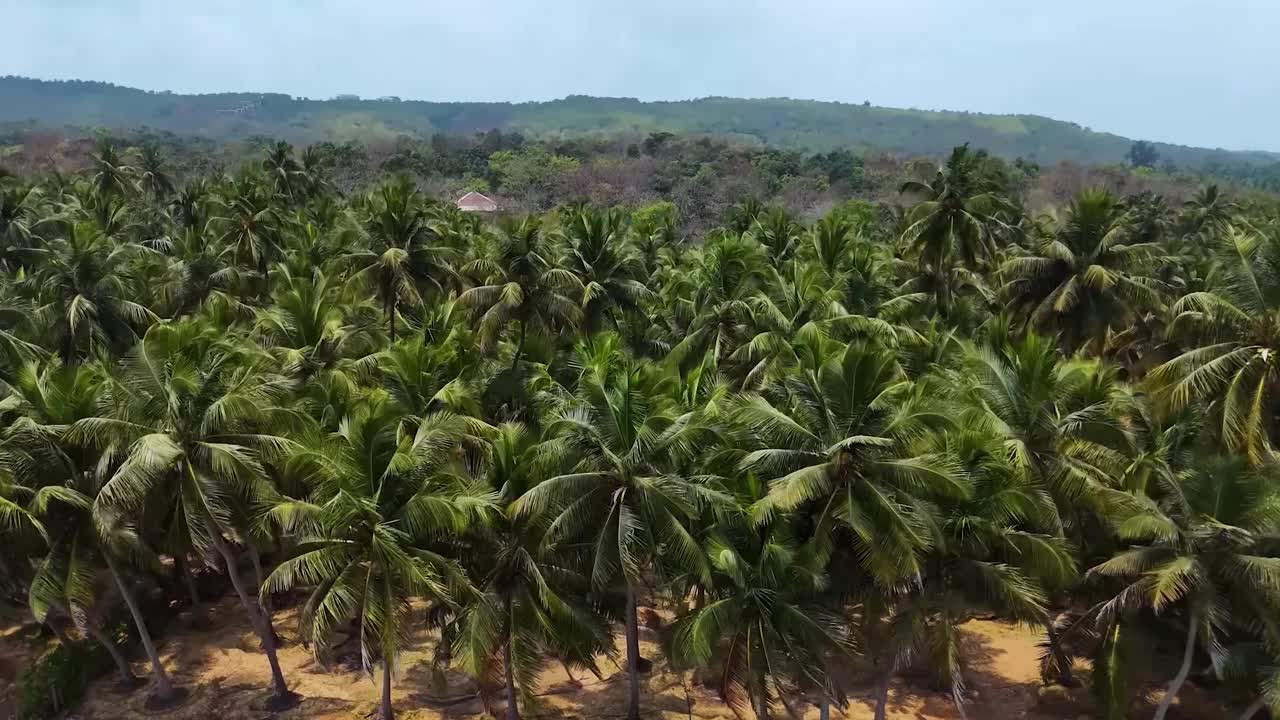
(1203, 72)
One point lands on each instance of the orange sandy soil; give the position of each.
(227, 677)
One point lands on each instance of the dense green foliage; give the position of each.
(777, 122)
(819, 446)
(58, 680)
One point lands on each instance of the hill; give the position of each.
(778, 122)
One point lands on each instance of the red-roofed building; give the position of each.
(475, 202)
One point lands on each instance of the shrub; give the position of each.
(58, 680)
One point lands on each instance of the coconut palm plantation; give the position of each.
(801, 453)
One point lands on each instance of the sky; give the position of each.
(1196, 72)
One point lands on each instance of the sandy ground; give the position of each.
(227, 677)
(20, 643)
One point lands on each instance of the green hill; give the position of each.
(779, 122)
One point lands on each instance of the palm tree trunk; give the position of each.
(882, 696)
(384, 710)
(122, 666)
(633, 655)
(164, 688)
(266, 279)
(515, 362)
(391, 319)
(1066, 677)
(824, 708)
(513, 709)
(1188, 654)
(1253, 709)
(259, 620)
(762, 705)
(189, 582)
(264, 598)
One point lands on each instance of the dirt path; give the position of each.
(227, 677)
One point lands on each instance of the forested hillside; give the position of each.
(783, 123)
(798, 455)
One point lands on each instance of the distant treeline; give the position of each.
(777, 122)
(699, 177)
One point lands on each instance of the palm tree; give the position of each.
(1090, 278)
(425, 376)
(401, 258)
(618, 496)
(64, 579)
(522, 285)
(111, 177)
(282, 170)
(1203, 538)
(529, 600)
(18, 218)
(952, 223)
(379, 499)
(835, 441)
(251, 227)
(991, 554)
(778, 233)
(722, 277)
(50, 399)
(199, 277)
(792, 316)
(191, 207)
(1233, 337)
(608, 270)
(1060, 422)
(193, 419)
(84, 284)
(1206, 218)
(153, 176)
(310, 329)
(762, 623)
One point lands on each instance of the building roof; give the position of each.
(475, 202)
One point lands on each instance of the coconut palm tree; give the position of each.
(762, 624)
(778, 232)
(111, 176)
(1199, 538)
(793, 315)
(608, 270)
(193, 418)
(199, 277)
(991, 554)
(404, 255)
(251, 227)
(283, 171)
(1091, 278)
(1060, 422)
(1207, 217)
(48, 400)
(1232, 336)
(721, 277)
(84, 284)
(530, 600)
(522, 285)
(18, 218)
(153, 175)
(952, 223)
(835, 441)
(310, 329)
(380, 501)
(615, 439)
